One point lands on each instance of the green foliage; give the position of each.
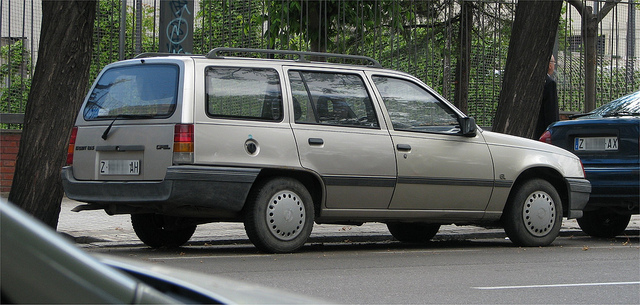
(15, 73)
(226, 24)
(107, 34)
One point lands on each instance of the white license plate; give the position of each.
(120, 167)
(596, 144)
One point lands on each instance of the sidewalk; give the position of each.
(97, 229)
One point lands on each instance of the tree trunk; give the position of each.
(461, 98)
(590, 21)
(530, 48)
(590, 38)
(57, 90)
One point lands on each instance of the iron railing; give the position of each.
(418, 37)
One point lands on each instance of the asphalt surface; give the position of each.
(98, 229)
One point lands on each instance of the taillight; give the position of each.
(183, 144)
(72, 145)
(546, 137)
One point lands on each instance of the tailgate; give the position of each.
(131, 152)
(611, 144)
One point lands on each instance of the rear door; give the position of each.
(126, 126)
(339, 136)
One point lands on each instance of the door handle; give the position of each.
(403, 147)
(316, 141)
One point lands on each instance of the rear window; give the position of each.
(244, 93)
(147, 90)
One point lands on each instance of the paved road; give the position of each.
(351, 264)
(575, 270)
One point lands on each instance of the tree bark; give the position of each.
(530, 49)
(57, 91)
(463, 68)
(590, 21)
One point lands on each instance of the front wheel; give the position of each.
(533, 215)
(603, 223)
(161, 231)
(279, 215)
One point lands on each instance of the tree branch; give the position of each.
(577, 4)
(607, 8)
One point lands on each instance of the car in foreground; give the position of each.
(40, 266)
(279, 144)
(607, 141)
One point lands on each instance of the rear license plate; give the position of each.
(596, 144)
(120, 167)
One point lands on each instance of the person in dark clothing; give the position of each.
(549, 111)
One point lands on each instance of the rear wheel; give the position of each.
(603, 223)
(279, 215)
(161, 231)
(533, 215)
(413, 232)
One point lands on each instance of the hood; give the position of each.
(500, 139)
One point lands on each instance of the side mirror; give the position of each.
(468, 126)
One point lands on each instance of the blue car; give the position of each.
(607, 142)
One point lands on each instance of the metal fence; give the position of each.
(419, 37)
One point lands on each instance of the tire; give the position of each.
(161, 231)
(603, 223)
(413, 232)
(533, 215)
(279, 215)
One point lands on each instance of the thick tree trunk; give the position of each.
(532, 39)
(57, 90)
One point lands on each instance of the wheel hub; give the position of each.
(539, 213)
(285, 215)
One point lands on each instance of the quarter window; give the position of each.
(413, 108)
(244, 93)
(331, 99)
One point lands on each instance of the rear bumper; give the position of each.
(579, 190)
(222, 188)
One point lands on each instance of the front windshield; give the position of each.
(626, 105)
(147, 90)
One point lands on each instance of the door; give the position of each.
(438, 168)
(338, 134)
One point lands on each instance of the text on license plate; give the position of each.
(596, 143)
(120, 167)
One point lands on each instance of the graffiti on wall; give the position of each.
(176, 20)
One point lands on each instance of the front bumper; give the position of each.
(223, 188)
(578, 192)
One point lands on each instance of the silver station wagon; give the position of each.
(277, 144)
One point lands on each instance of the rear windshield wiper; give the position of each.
(579, 115)
(621, 113)
(105, 134)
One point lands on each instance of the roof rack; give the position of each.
(160, 54)
(302, 56)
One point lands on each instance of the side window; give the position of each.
(332, 99)
(414, 109)
(244, 93)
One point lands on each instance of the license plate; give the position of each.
(120, 167)
(596, 144)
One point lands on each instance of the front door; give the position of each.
(438, 168)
